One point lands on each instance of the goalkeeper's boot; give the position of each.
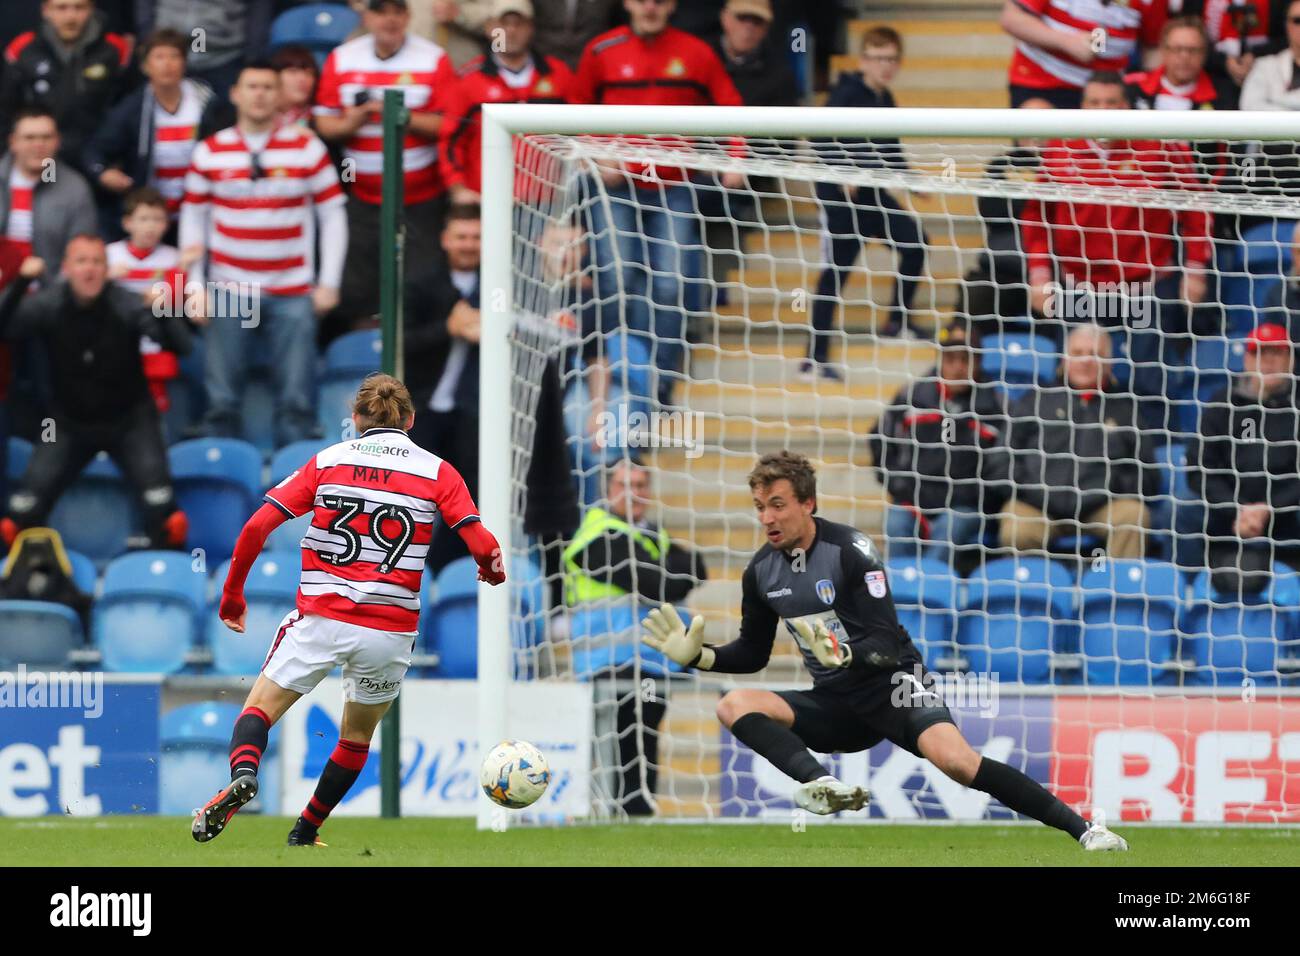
(304, 834)
(1097, 837)
(828, 795)
(212, 819)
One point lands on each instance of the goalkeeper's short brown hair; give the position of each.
(789, 465)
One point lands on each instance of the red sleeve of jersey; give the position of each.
(452, 139)
(121, 46)
(454, 502)
(296, 495)
(1037, 7)
(1153, 22)
(249, 545)
(584, 81)
(327, 87)
(17, 45)
(562, 77)
(445, 81)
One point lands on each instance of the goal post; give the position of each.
(567, 146)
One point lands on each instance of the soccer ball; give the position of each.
(514, 774)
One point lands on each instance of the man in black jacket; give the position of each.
(71, 66)
(90, 330)
(940, 441)
(617, 557)
(1079, 461)
(856, 215)
(1246, 464)
(446, 401)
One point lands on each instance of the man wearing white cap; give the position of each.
(511, 72)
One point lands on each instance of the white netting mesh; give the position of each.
(668, 320)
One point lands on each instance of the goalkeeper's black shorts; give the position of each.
(896, 706)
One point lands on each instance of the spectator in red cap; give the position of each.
(1246, 465)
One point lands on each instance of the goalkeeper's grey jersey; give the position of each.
(840, 579)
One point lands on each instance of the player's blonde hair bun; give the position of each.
(383, 402)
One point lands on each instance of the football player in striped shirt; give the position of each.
(374, 501)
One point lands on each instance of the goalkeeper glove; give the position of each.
(665, 632)
(818, 639)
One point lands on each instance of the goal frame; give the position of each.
(504, 121)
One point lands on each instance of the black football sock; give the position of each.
(340, 773)
(1018, 792)
(248, 741)
(779, 744)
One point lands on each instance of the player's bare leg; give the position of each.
(945, 747)
(341, 770)
(763, 721)
(267, 702)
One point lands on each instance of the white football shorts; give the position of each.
(307, 647)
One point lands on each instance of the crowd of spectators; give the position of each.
(198, 153)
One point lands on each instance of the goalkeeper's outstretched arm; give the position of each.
(666, 632)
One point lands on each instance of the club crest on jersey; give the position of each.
(875, 583)
(826, 591)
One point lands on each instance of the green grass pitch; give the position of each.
(259, 841)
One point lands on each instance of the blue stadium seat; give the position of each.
(146, 618)
(1018, 361)
(607, 635)
(271, 592)
(926, 596)
(84, 573)
(98, 513)
(451, 625)
(358, 353)
(19, 454)
(38, 634)
(348, 360)
(257, 411)
(284, 463)
(1130, 622)
(454, 623)
(1018, 611)
(318, 26)
(195, 741)
(1253, 270)
(1231, 640)
(218, 484)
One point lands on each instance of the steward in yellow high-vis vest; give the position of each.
(610, 557)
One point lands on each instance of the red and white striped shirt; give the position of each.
(143, 267)
(424, 73)
(1126, 26)
(19, 227)
(375, 501)
(174, 138)
(258, 228)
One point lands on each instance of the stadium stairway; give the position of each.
(744, 369)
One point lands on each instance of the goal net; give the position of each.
(1090, 535)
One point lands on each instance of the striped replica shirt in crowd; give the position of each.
(249, 202)
(140, 270)
(374, 502)
(1123, 26)
(174, 138)
(19, 227)
(424, 73)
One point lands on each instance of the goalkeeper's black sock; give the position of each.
(779, 744)
(248, 741)
(340, 773)
(1020, 793)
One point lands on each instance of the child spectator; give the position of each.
(854, 215)
(140, 262)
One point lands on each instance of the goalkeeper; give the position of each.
(826, 581)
